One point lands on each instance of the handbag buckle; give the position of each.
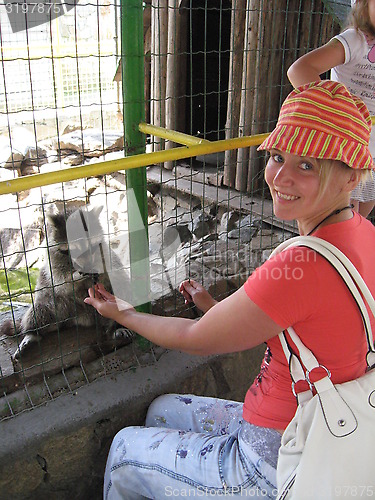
(300, 386)
(308, 372)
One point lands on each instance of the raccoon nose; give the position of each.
(64, 249)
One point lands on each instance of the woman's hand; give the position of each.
(107, 304)
(194, 292)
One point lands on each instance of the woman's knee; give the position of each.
(123, 438)
(156, 412)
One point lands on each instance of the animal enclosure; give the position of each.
(214, 69)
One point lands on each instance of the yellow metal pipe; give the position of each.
(179, 137)
(172, 135)
(141, 160)
(196, 147)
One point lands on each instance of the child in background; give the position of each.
(351, 58)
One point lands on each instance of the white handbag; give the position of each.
(328, 449)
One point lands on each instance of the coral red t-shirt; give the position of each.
(300, 288)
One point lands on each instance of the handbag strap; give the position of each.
(297, 373)
(339, 417)
(350, 276)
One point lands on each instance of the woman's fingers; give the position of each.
(95, 297)
(192, 291)
(91, 301)
(187, 290)
(103, 292)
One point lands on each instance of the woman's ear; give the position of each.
(354, 178)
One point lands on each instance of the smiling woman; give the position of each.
(193, 444)
(310, 130)
(298, 191)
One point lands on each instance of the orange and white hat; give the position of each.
(324, 120)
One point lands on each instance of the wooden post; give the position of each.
(159, 38)
(327, 28)
(234, 86)
(258, 99)
(172, 74)
(248, 89)
(275, 62)
(182, 27)
(269, 69)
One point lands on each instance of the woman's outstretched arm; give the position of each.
(234, 324)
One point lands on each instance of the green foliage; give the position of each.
(16, 285)
(143, 343)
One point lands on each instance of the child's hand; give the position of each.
(107, 304)
(194, 292)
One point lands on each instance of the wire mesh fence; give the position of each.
(214, 69)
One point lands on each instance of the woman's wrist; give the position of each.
(124, 315)
(211, 302)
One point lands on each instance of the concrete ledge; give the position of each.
(58, 451)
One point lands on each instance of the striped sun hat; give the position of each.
(324, 120)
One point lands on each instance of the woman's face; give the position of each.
(294, 182)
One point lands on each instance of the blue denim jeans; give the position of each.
(192, 446)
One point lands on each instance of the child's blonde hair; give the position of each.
(359, 18)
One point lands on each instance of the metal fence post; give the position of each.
(132, 60)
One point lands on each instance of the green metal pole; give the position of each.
(132, 61)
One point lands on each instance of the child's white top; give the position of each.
(358, 71)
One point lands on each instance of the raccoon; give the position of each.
(76, 259)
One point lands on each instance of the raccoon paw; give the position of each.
(123, 335)
(7, 328)
(28, 340)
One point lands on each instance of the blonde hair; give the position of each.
(359, 18)
(328, 169)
